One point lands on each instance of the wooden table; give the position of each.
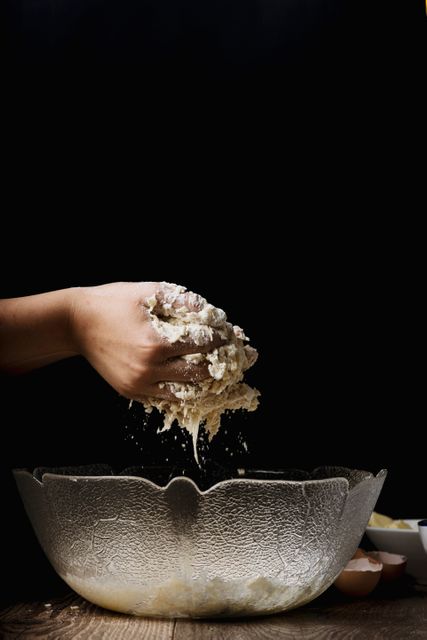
(398, 614)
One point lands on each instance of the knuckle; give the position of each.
(138, 375)
(153, 351)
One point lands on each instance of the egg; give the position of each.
(394, 565)
(359, 553)
(360, 576)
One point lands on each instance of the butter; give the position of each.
(379, 520)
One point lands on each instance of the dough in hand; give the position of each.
(205, 401)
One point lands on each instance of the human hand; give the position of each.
(112, 329)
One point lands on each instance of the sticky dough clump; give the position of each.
(206, 400)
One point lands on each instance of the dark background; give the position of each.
(283, 175)
(165, 32)
(220, 36)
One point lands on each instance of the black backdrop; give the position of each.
(210, 35)
(185, 33)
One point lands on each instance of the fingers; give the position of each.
(179, 370)
(157, 390)
(187, 345)
(172, 296)
(174, 371)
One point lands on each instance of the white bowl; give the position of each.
(406, 542)
(422, 526)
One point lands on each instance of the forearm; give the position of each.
(36, 330)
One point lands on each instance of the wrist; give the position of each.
(72, 315)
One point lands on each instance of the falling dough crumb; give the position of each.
(204, 401)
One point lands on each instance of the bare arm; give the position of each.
(35, 330)
(108, 325)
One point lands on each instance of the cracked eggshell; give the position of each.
(360, 576)
(394, 565)
(359, 553)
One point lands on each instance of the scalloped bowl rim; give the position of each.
(190, 481)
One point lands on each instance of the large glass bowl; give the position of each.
(245, 546)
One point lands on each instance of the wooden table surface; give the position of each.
(398, 614)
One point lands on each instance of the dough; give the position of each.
(204, 401)
(198, 597)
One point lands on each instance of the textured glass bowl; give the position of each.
(243, 547)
